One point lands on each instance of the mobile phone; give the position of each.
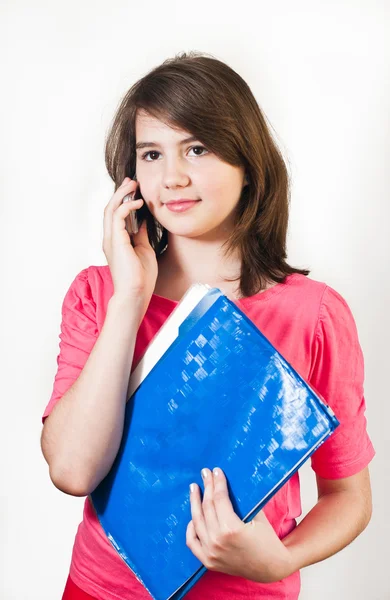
(131, 221)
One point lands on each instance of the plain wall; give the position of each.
(320, 73)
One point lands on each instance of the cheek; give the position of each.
(150, 198)
(221, 199)
(224, 186)
(216, 190)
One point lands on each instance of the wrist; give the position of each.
(130, 309)
(128, 302)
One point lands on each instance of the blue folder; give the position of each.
(211, 390)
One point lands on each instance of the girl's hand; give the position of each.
(222, 542)
(133, 269)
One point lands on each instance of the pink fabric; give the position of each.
(312, 327)
(73, 592)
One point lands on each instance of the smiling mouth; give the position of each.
(181, 206)
(182, 201)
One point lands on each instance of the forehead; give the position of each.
(146, 124)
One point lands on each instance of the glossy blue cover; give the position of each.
(221, 395)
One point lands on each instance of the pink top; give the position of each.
(311, 325)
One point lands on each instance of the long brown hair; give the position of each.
(204, 96)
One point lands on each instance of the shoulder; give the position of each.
(94, 279)
(305, 287)
(316, 296)
(334, 313)
(311, 308)
(297, 300)
(92, 287)
(336, 341)
(99, 278)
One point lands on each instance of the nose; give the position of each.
(175, 175)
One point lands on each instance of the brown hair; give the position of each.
(204, 96)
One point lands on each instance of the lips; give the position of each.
(181, 206)
(181, 200)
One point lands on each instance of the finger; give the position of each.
(227, 518)
(193, 542)
(209, 512)
(197, 514)
(119, 218)
(128, 186)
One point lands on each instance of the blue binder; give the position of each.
(211, 390)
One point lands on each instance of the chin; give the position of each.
(189, 232)
(192, 226)
(192, 232)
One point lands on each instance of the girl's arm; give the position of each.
(222, 542)
(81, 436)
(342, 512)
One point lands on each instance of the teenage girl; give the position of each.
(213, 204)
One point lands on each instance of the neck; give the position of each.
(193, 260)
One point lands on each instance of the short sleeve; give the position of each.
(337, 373)
(78, 335)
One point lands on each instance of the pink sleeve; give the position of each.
(338, 375)
(78, 336)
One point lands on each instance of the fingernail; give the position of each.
(204, 473)
(216, 472)
(192, 487)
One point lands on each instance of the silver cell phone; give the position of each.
(131, 221)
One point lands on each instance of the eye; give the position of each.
(155, 152)
(197, 148)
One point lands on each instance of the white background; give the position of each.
(319, 71)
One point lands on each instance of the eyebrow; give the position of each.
(140, 145)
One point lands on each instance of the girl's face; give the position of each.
(169, 168)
